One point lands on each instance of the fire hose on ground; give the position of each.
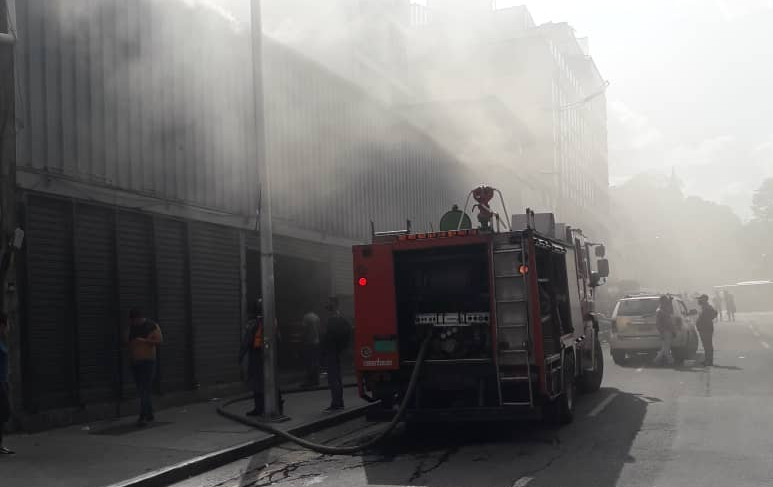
(338, 450)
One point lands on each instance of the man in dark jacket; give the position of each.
(335, 341)
(705, 325)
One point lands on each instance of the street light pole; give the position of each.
(270, 385)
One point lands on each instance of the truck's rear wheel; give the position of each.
(618, 357)
(560, 410)
(591, 379)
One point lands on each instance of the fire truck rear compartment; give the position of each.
(451, 283)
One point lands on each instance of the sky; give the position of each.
(689, 87)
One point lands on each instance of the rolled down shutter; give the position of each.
(136, 273)
(171, 271)
(50, 370)
(98, 329)
(215, 302)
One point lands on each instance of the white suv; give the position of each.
(634, 331)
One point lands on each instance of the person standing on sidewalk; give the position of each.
(5, 400)
(705, 325)
(143, 338)
(252, 348)
(311, 349)
(335, 341)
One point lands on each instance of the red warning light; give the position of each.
(523, 269)
(363, 281)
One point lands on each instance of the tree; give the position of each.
(762, 202)
(668, 241)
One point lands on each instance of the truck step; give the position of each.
(510, 301)
(505, 327)
(527, 403)
(514, 350)
(507, 250)
(515, 378)
(509, 275)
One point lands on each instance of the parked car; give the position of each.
(634, 332)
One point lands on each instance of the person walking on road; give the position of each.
(5, 400)
(335, 341)
(730, 306)
(252, 348)
(717, 300)
(143, 338)
(664, 320)
(311, 348)
(705, 325)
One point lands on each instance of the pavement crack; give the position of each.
(268, 477)
(534, 472)
(420, 471)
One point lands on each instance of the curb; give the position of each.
(209, 461)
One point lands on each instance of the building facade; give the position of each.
(134, 179)
(544, 76)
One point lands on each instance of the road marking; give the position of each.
(765, 344)
(639, 369)
(318, 479)
(523, 481)
(602, 404)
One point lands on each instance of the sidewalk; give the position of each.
(111, 451)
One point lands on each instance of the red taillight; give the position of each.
(524, 269)
(363, 281)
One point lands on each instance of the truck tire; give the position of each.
(618, 357)
(560, 411)
(591, 379)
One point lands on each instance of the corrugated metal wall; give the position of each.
(173, 307)
(216, 302)
(339, 158)
(155, 98)
(140, 95)
(87, 264)
(95, 297)
(49, 378)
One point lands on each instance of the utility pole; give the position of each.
(270, 385)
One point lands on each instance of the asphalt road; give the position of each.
(648, 426)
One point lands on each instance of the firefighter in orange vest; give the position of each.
(252, 348)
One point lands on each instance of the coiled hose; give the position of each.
(338, 450)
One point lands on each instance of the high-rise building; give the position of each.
(542, 76)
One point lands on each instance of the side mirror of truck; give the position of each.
(603, 267)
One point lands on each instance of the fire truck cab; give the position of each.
(508, 316)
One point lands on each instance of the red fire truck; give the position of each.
(506, 316)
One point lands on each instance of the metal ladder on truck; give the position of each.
(513, 337)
